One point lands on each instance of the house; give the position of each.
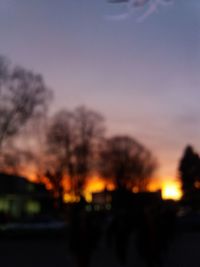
(20, 198)
(118, 199)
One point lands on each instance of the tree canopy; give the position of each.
(127, 162)
(72, 142)
(23, 94)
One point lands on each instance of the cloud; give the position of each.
(152, 7)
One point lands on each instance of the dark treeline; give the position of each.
(70, 143)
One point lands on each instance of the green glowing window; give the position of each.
(33, 207)
(4, 205)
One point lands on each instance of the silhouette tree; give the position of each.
(126, 162)
(59, 150)
(72, 142)
(189, 169)
(14, 160)
(89, 133)
(23, 94)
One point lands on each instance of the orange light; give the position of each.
(66, 183)
(155, 185)
(70, 198)
(172, 190)
(96, 184)
(135, 189)
(197, 184)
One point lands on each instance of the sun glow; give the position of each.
(170, 187)
(172, 190)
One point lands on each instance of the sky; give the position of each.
(143, 76)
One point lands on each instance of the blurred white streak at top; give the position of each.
(152, 7)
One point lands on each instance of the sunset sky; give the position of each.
(143, 77)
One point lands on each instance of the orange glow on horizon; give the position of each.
(171, 188)
(96, 184)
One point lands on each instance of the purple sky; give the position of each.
(144, 77)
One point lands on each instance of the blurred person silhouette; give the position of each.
(155, 231)
(148, 242)
(121, 225)
(84, 234)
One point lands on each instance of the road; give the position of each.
(53, 252)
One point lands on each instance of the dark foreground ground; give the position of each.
(54, 252)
